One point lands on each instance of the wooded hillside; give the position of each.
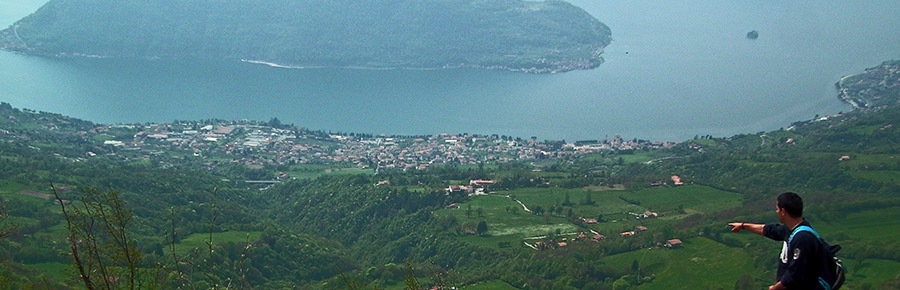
(510, 34)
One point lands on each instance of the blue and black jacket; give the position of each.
(804, 257)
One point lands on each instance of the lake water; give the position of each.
(674, 70)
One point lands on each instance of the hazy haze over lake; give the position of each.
(674, 70)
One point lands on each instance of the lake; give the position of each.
(673, 71)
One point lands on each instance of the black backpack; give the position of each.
(837, 269)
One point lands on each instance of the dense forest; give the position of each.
(545, 36)
(602, 220)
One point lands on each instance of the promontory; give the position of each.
(529, 36)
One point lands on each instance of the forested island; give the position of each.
(529, 36)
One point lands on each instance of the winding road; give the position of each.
(16, 32)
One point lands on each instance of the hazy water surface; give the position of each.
(674, 70)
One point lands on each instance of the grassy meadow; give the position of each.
(699, 264)
(198, 241)
(619, 210)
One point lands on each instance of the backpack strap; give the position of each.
(804, 229)
(825, 284)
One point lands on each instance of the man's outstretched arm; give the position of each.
(753, 228)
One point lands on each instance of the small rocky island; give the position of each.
(517, 35)
(753, 34)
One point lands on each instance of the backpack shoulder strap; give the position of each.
(839, 280)
(803, 229)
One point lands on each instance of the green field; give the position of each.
(56, 272)
(198, 241)
(690, 198)
(10, 187)
(503, 226)
(872, 272)
(617, 209)
(879, 176)
(637, 157)
(607, 202)
(699, 264)
(870, 225)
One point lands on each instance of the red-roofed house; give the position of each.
(673, 243)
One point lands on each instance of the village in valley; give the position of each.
(273, 147)
(259, 145)
(284, 152)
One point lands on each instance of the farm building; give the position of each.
(673, 243)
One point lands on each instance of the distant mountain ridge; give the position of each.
(549, 36)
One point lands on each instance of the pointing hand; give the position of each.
(736, 227)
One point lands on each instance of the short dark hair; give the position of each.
(792, 203)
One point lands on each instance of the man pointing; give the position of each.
(803, 256)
